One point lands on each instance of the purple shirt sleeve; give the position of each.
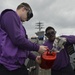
(32, 56)
(70, 39)
(12, 27)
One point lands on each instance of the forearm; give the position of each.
(32, 56)
(70, 39)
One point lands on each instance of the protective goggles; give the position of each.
(50, 33)
(29, 13)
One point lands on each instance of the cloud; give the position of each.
(57, 13)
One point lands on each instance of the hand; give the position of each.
(42, 49)
(59, 43)
(38, 59)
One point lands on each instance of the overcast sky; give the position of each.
(59, 14)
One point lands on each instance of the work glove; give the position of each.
(58, 44)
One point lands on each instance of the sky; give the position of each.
(59, 14)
